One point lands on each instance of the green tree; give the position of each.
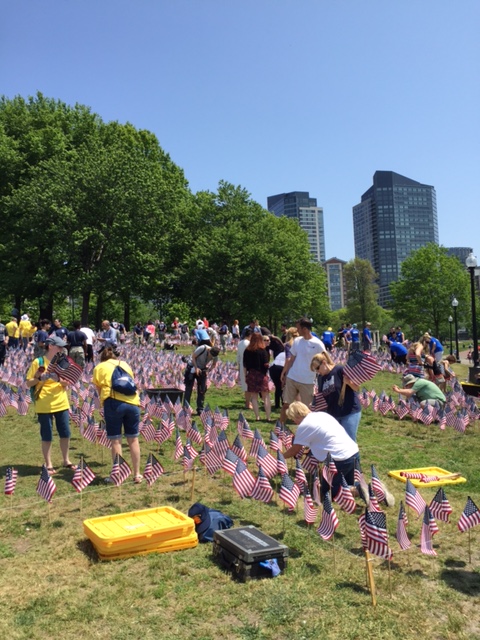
(361, 291)
(429, 280)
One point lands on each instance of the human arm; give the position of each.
(288, 365)
(408, 393)
(293, 451)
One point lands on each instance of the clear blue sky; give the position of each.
(274, 95)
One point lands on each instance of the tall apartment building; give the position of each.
(299, 205)
(460, 252)
(335, 282)
(396, 216)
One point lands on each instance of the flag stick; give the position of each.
(81, 484)
(469, 546)
(11, 508)
(334, 555)
(371, 581)
(193, 485)
(390, 577)
(50, 513)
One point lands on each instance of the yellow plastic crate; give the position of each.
(428, 471)
(188, 542)
(137, 530)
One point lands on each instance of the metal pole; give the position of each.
(450, 320)
(473, 370)
(457, 352)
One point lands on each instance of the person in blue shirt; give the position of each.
(367, 337)
(433, 346)
(328, 339)
(398, 351)
(201, 334)
(353, 338)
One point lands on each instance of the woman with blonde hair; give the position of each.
(415, 360)
(290, 336)
(330, 380)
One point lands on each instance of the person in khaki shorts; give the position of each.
(297, 377)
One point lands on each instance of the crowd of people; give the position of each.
(294, 366)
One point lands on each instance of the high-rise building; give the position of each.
(460, 252)
(299, 205)
(336, 282)
(396, 216)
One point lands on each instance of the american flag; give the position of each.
(377, 485)
(262, 490)
(213, 459)
(22, 404)
(401, 409)
(267, 462)
(65, 368)
(243, 481)
(282, 468)
(193, 433)
(310, 512)
(153, 470)
(364, 398)
(275, 444)
(426, 414)
(310, 463)
(162, 435)
(83, 476)
(147, 429)
(329, 469)
(120, 470)
(329, 520)
(217, 418)
(319, 403)
(401, 534)
(344, 497)
(440, 506)
(11, 476)
(178, 446)
(187, 460)
(375, 528)
(229, 462)
(102, 438)
(360, 367)
(470, 516)
(414, 499)
(300, 477)
(429, 529)
(239, 449)
(243, 427)
(373, 506)
(256, 442)
(46, 486)
(289, 491)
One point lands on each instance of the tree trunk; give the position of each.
(85, 308)
(99, 311)
(46, 308)
(126, 313)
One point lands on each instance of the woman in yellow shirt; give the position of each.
(118, 409)
(51, 402)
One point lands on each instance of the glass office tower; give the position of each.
(396, 216)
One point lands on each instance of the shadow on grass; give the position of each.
(467, 582)
(353, 586)
(87, 548)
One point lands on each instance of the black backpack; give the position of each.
(122, 382)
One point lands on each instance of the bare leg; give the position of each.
(283, 412)
(64, 447)
(254, 401)
(267, 404)
(46, 451)
(116, 448)
(134, 447)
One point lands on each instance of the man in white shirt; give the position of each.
(297, 377)
(90, 340)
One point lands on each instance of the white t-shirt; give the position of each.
(89, 333)
(304, 350)
(323, 434)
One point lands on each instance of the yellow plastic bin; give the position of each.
(188, 542)
(443, 476)
(143, 529)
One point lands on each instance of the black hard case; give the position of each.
(241, 550)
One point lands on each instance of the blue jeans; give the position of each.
(62, 422)
(350, 424)
(118, 414)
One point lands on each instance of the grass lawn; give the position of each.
(53, 585)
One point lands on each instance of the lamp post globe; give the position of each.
(455, 305)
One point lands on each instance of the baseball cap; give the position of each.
(55, 341)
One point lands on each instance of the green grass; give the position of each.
(52, 583)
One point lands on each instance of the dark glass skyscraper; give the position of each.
(396, 216)
(299, 205)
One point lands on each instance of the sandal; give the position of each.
(138, 479)
(71, 466)
(51, 471)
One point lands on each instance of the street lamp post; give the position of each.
(471, 263)
(455, 305)
(450, 320)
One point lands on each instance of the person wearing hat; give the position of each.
(51, 403)
(25, 330)
(201, 334)
(367, 337)
(426, 392)
(328, 339)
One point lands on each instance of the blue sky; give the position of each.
(274, 95)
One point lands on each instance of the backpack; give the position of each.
(208, 520)
(122, 382)
(33, 393)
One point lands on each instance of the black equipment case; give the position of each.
(241, 550)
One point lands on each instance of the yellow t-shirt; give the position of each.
(53, 396)
(25, 328)
(12, 329)
(102, 378)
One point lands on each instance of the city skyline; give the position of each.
(272, 96)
